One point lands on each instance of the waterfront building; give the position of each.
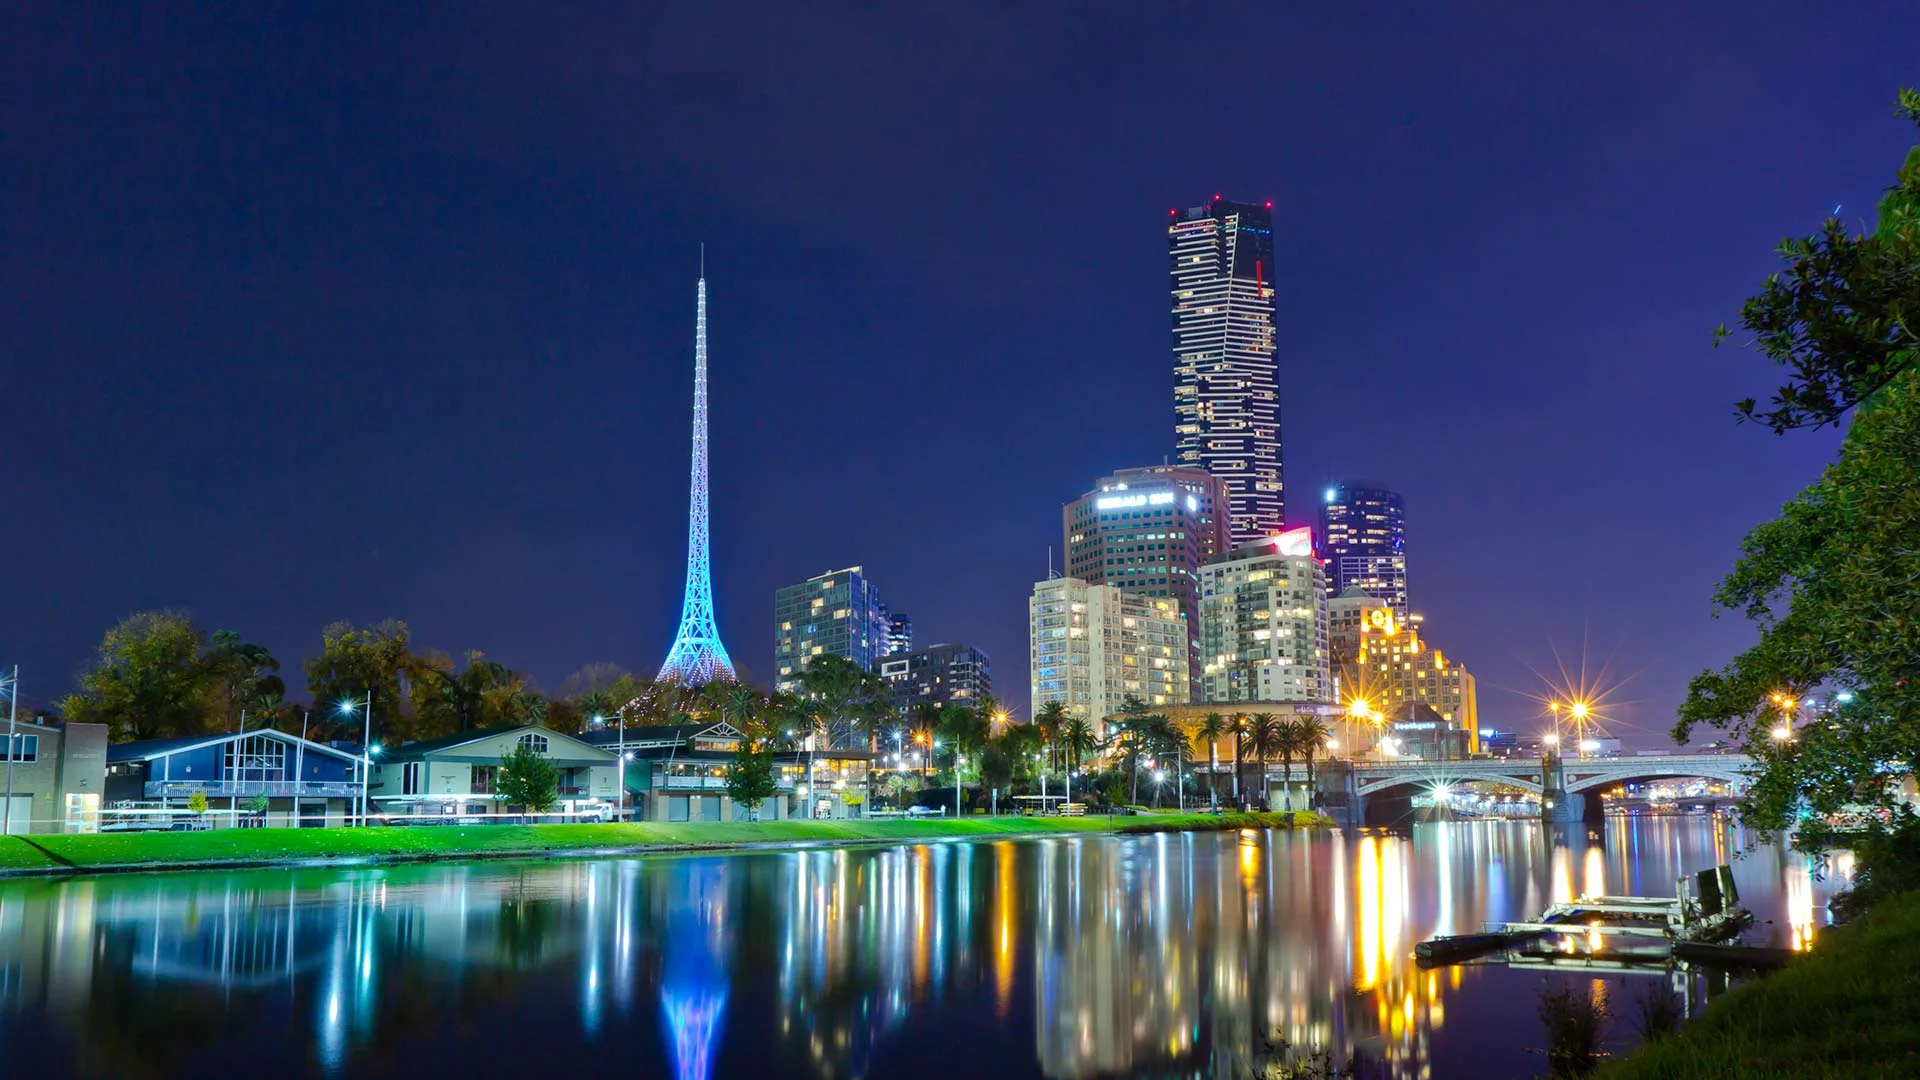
(1363, 536)
(697, 656)
(1346, 614)
(899, 633)
(1263, 623)
(1091, 646)
(305, 783)
(458, 775)
(679, 773)
(1226, 396)
(838, 612)
(937, 675)
(1394, 667)
(1148, 531)
(55, 775)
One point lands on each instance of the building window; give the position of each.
(255, 757)
(535, 743)
(483, 777)
(410, 775)
(25, 748)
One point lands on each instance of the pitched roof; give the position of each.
(150, 749)
(660, 733)
(473, 735)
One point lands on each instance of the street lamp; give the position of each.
(347, 708)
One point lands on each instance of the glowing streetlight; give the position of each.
(1781, 733)
(349, 706)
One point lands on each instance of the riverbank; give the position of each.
(1850, 1009)
(236, 848)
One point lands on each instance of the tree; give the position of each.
(1078, 741)
(1213, 729)
(1242, 733)
(743, 708)
(355, 661)
(849, 700)
(996, 765)
(1844, 312)
(750, 777)
(1314, 736)
(242, 676)
(197, 802)
(1051, 720)
(482, 694)
(528, 780)
(149, 681)
(593, 679)
(596, 709)
(1834, 583)
(1266, 732)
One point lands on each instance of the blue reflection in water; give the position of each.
(693, 992)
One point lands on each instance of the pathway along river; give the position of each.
(1167, 955)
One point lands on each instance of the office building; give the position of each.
(1346, 614)
(837, 612)
(1393, 668)
(1226, 397)
(1093, 645)
(1364, 540)
(1148, 531)
(1263, 623)
(937, 675)
(899, 633)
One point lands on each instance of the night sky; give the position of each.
(374, 311)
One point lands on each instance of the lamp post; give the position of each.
(956, 783)
(13, 716)
(620, 754)
(365, 707)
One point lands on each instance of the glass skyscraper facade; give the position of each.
(1364, 540)
(837, 612)
(1226, 397)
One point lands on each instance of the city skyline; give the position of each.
(451, 387)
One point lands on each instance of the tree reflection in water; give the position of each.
(1192, 955)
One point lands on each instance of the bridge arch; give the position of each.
(1639, 772)
(1429, 778)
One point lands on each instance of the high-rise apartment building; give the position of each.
(1093, 645)
(837, 612)
(1149, 531)
(899, 633)
(937, 675)
(1226, 396)
(1364, 540)
(1393, 670)
(1263, 623)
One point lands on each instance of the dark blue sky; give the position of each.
(363, 311)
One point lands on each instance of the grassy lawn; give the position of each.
(1851, 1009)
(218, 845)
(17, 854)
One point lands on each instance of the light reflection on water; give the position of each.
(1174, 954)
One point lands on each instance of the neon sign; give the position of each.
(1295, 541)
(1124, 502)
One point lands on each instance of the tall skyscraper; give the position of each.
(1364, 540)
(1090, 646)
(1148, 531)
(697, 655)
(937, 675)
(1226, 395)
(1263, 616)
(837, 612)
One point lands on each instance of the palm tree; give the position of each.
(1242, 728)
(1291, 740)
(1266, 731)
(1314, 736)
(742, 708)
(597, 706)
(1213, 729)
(1077, 740)
(1051, 719)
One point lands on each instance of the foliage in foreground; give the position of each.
(1834, 583)
(1850, 1010)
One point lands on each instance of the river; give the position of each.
(1168, 955)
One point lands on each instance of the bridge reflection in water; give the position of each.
(1193, 954)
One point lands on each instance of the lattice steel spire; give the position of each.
(697, 655)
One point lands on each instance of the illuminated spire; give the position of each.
(697, 655)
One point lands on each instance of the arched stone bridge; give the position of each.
(1560, 783)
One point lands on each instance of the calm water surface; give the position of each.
(1172, 955)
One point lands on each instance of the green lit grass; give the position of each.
(111, 850)
(17, 854)
(1850, 1009)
